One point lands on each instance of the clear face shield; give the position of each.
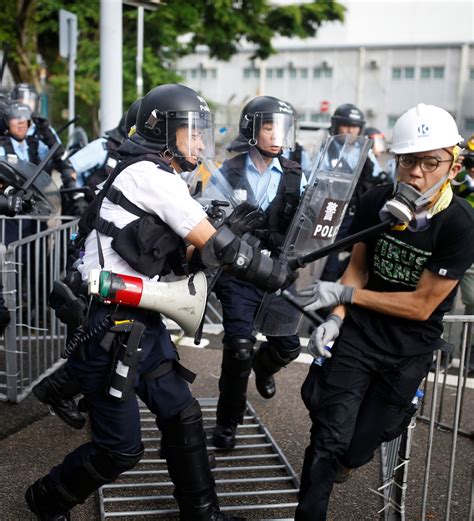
(27, 97)
(190, 135)
(273, 130)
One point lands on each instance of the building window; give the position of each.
(469, 124)
(251, 72)
(193, 73)
(396, 73)
(322, 72)
(471, 73)
(279, 73)
(438, 73)
(409, 73)
(269, 74)
(303, 73)
(292, 73)
(425, 73)
(391, 121)
(213, 73)
(204, 73)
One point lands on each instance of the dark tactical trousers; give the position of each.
(240, 302)
(115, 425)
(358, 399)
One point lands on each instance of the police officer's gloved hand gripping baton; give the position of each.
(246, 262)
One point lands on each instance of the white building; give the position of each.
(386, 57)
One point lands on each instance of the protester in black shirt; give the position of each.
(389, 308)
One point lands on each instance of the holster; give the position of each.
(123, 341)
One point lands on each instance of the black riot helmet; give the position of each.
(25, 93)
(347, 115)
(264, 110)
(120, 133)
(169, 112)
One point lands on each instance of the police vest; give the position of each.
(147, 244)
(31, 143)
(283, 207)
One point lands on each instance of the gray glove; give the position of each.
(322, 335)
(326, 294)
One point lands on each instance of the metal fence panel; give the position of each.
(34, 339)
(442, 409)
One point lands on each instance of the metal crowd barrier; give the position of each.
(445, 410)
(34, 339)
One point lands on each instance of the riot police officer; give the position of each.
(145, 211)
(33, 148)
(40, 137)
(349, 119)
(273, 183)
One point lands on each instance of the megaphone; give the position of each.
(184, 301)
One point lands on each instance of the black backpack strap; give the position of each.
(117, 197)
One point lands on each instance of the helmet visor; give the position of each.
(190, 134)
(271, 129)
(27, 97)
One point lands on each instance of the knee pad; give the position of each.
(91, 466)
(186, 428)
(237, 357)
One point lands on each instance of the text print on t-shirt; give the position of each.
(399, 262)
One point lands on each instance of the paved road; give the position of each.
(33, 441)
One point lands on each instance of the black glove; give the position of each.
(245, 218)
(79, 204)
(246, 262)
(10, 205)
(41, 123)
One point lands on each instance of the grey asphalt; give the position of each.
(32, 440)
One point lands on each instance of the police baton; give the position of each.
(69, 123)
(303, 260)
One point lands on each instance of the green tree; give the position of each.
(220, 24)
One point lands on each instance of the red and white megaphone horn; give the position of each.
(184, 301)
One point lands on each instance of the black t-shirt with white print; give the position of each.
(396, 260)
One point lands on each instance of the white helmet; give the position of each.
(422, 128)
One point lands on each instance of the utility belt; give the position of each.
(123, 342)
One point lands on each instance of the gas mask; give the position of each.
(411, 207)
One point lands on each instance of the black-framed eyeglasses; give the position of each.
(428, 164)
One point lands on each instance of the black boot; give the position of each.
(57, 390)
(46, 502)
(223, 436)
(188, 466)
(267, 361)
(235, 372)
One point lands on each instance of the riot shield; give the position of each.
(315, 225)
(45, 198)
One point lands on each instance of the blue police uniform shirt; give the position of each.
(20, 148)
(265, 185)
(92, 156)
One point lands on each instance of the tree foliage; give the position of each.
(220, 24)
